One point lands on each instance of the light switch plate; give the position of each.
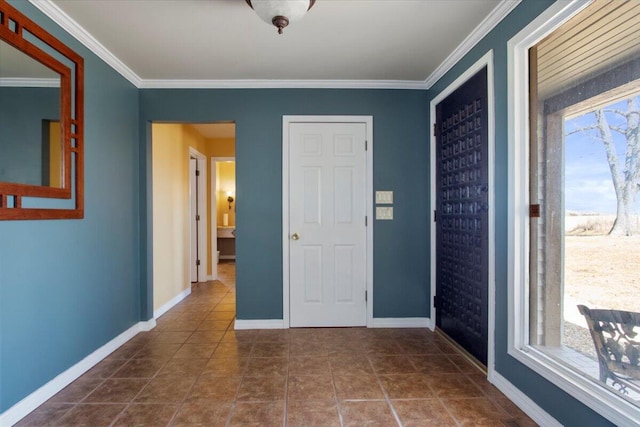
(384, 197)
(384, 213)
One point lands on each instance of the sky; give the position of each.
(588, 183)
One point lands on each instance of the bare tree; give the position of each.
(625, 176)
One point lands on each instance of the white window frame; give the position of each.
(606, 403)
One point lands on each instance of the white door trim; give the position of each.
(286, 121)
(485, 61)
(214, 210)
(202, 211)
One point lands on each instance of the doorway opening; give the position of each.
(223, 205)
(184, 220)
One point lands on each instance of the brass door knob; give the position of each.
(295, 236)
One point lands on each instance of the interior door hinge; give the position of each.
(366, 145)
(365, 296)
(435, 301)
(197, 262)
(435, 129)
(534, 211)
(435, 216)
(197, 172)
(197, 217)
(366, 221)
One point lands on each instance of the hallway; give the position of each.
(194, 369)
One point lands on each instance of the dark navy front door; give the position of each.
(462, 216)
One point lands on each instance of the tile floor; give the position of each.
(193, 369)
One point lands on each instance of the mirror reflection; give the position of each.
(31, 145)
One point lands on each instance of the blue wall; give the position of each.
(22, 110)
(400, 124)
(560, 405)
(68, 287)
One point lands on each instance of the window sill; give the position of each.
(614, 408)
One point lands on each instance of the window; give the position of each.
(574, 230)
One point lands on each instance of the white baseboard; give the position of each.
(522, 401)
(401, 322)
(210, 277)
(170, 304)
(44, 393)
(228, 257)
(259, 324)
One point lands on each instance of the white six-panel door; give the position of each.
(327, 231)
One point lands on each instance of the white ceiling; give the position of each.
(340, 43)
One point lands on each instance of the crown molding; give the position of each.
(76, 30)
(83, 36)
(28, 82)
(497, 14)
(282, 84)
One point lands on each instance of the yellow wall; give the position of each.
(222, 147)
(171, 228)
(171, 232)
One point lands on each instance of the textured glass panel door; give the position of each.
(462, 216)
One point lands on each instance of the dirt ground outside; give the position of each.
(600, 272)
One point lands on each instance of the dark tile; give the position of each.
(463, 364)
(309, 366)
(427, 412)
(233, 349)
(76, 391)
(267, 366)
(225, 307)
(166, 389)
(383, 364)
(214, 325)
(205, 337)
(367, 413)
(453, 385)
(140, 368)
(183, 368)
(265, 414)
(117, 390)
(146, 414)
(357, 387)
(434, 363)
(476, 412)
(45, 415)
(350, 365)
(215, 388)
(308, 349)
(157, 350)
(104, 369)
(209, 413)
(226, 367)
(126, 351)
(263, 388)
(93, 415)
(419, 347)
(310, 387)
(173, 337)
(307, 413)
(195, 351)
(221, 315)
(410, 386)
(270, 349)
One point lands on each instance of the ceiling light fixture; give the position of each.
(280, 12)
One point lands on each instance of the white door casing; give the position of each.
(193, 224)
(197, 207)
(327, 194)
